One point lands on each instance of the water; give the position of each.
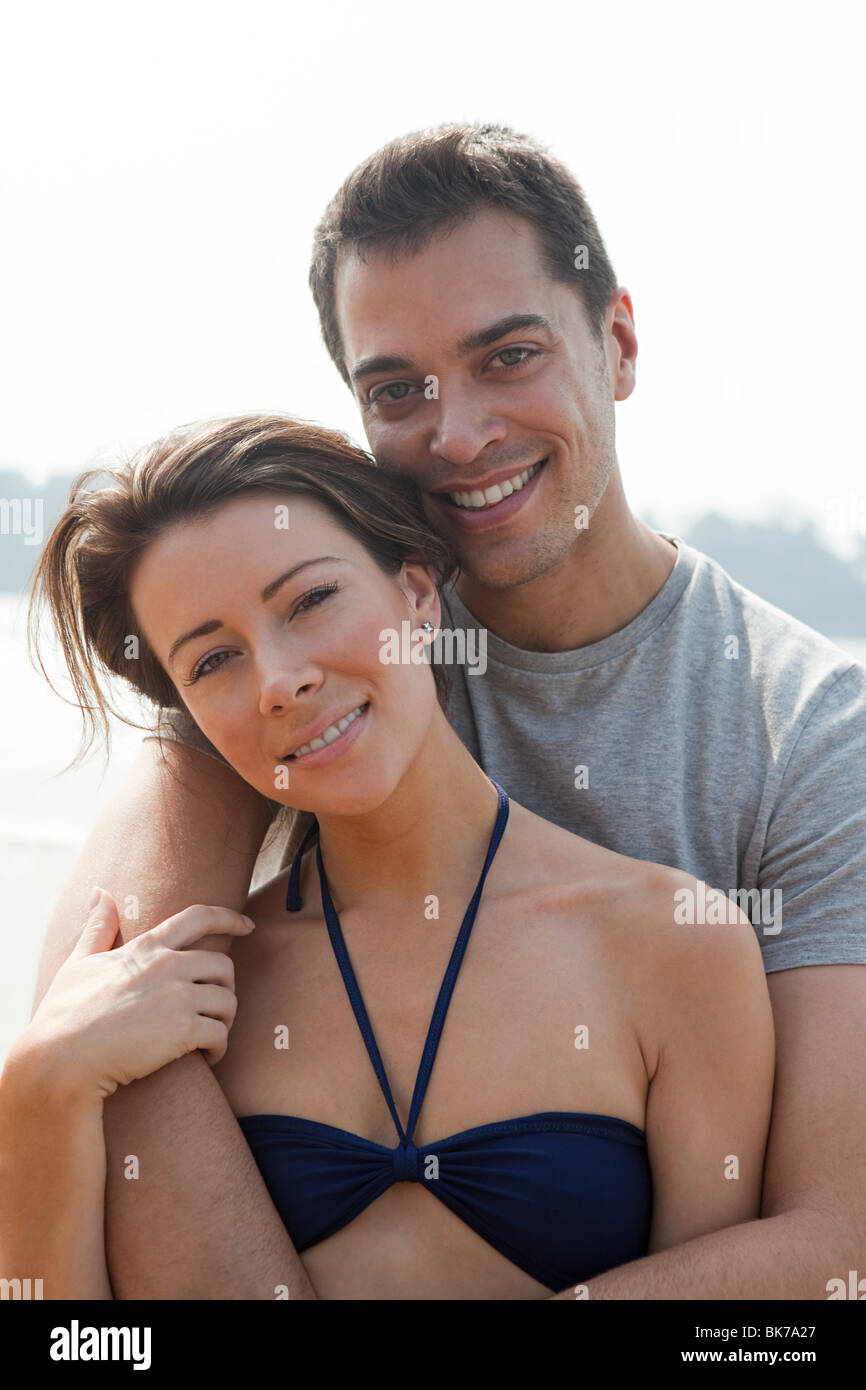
(39, 734)
(45, 819)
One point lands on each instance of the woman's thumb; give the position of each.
(101, 925)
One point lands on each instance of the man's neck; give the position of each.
(611, 573)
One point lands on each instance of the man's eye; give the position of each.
(528, 352)
(385, 392)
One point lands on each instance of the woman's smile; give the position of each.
(334, 741)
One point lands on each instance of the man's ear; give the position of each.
(624, 343)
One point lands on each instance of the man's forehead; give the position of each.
(456, 284)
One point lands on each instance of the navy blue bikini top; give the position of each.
(562, 1195)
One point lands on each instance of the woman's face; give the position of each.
(291, 647)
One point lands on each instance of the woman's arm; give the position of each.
(109, 1017)
(190, 1217)
(710, 1099)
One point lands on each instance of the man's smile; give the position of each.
(476, 508)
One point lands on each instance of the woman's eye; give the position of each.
(202, 668)
(311, 599)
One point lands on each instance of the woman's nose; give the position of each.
(282, 680)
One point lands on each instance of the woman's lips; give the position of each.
(336, 748)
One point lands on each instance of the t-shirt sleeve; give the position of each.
(813, 865)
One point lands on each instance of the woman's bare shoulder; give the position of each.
(566, 864)
(654, 909)
(679, 969)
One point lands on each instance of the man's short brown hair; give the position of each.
(429, 181)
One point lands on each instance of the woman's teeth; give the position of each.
(332, 732)
(491, 495)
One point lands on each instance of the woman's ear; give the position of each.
(419, 586)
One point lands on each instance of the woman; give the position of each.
(594, 1080)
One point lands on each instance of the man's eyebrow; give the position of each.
(213, 624)
(385, 362)
(482, 337)
(512, 323)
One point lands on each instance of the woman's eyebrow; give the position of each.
(213, 624)
(270, 589)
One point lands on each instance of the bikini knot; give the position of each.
(406, 1163)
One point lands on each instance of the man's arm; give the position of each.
(813, 1225)
(187, 1212)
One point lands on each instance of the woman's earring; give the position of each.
(427, 625)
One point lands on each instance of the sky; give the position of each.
(163, 168)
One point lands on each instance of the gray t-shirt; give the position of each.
(714, 733)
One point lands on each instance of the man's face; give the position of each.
(461, 401)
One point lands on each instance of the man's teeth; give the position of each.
(332, 732)
(491, 495)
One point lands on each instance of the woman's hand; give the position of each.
(112, 1016)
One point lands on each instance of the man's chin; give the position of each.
(499, 574)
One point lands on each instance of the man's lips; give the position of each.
(492, 514)
(504, 477)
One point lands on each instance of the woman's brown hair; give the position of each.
(83, 573)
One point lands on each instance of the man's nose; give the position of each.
(464, 427)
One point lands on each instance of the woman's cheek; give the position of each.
(231, 733)
(361, 647)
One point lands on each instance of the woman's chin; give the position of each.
(355, 795)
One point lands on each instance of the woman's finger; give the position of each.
(212, 1038)
(206, 968)
(100, 928)
(187, 927)
(215, 1001)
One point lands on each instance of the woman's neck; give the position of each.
(430, 836)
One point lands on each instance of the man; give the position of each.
(633, 693)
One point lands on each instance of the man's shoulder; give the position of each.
(785, 660)
(178, 726)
